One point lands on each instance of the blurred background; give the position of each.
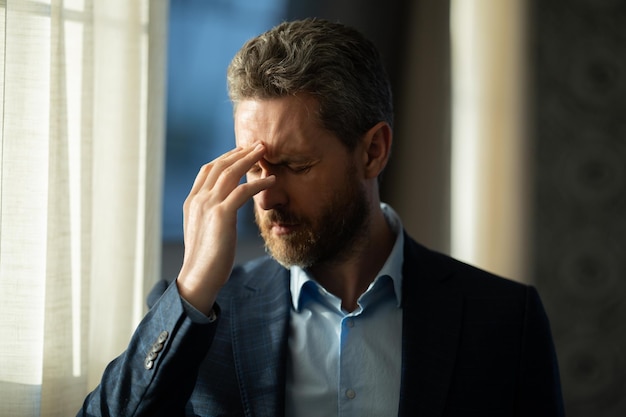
(509, 152)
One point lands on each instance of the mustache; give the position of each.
(280, 216)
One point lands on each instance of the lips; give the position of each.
(283, 228)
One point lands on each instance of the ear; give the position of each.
(376, 149)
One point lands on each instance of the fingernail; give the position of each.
(258, 146)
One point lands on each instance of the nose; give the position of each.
(274, 197)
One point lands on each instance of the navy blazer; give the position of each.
(473, 344)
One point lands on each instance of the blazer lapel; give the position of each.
(431, 326)
(259, 326)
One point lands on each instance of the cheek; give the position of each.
(313, 197)
(304, 196)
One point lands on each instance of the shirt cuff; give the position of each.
(197, 316)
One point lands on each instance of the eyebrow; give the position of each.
(287, 160)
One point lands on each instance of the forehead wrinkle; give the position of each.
(273, 123)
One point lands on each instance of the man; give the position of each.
(349, 316)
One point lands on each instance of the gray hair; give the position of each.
(332, 62)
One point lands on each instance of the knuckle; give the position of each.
(206, 168)
(228, 171)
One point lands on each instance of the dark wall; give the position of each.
(384, 23)
(579, 111)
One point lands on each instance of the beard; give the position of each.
(330, 237)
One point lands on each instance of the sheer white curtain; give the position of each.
(81, 142)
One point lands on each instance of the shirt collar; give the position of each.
(392, 267)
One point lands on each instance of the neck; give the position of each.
(350, 277)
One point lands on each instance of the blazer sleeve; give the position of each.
(540, 387)
(156, 374)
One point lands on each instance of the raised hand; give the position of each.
(210, 223)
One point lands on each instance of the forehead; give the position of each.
(284, 122)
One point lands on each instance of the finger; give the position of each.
(224, 177)
(246, 191)
(206, 169)
(200, 178)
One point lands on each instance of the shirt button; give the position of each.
(350, 322)
(350, 394)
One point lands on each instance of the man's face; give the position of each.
(318, 208)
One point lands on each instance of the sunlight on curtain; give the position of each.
(81, 142)
(489, 195)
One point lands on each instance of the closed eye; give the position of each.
(255, 169)
(294, 168)
(300, 169)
